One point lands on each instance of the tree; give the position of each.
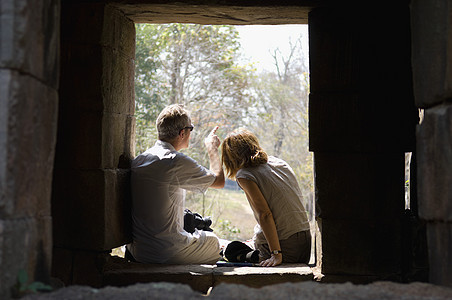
(281, 102)
(194, 65)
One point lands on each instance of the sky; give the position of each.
(258, 40)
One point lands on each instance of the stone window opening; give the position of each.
(355, 169)
(212, 197)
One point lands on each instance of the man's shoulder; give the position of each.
(153, 155)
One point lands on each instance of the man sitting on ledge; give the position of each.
(159, 179)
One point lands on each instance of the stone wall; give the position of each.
(432, 62)
(361, 100)
(95, 137)
(29, 56)
(362, 120)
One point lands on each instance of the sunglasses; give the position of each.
(189, 127)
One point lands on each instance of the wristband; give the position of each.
(276, 252)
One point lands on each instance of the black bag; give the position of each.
(240, 252)
(195, 220)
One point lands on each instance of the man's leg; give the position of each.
(205, 249)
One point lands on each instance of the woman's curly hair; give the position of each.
(240, 149)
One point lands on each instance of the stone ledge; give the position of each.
(262, 276)
(301, 290)
(119, 272)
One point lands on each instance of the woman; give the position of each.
(282, 233)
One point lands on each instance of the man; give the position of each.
(159, 179)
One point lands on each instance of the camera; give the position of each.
(194, 221)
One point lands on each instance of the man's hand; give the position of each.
(212, 141)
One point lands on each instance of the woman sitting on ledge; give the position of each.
(282, 234)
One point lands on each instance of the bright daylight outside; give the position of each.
(255, 77)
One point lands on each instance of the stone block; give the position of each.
(97, 24)
(96, 78)
(118, 272)
(352, 122)
(257, 13)
(62, 264)
(362, 248)
(22, 248)
(122, 38)
(90, 209)
(117, 143)
(357, 104)
(81, 77)
(26, 151)
(79, 141)
(359, 186)
(258, 277)
(431, 51)
(30, 40)
(118, 81)
(314, 290)
(118, 213)
(82, 22)
(91, 140)
(88, 268)
(439, 237)
(98, 52)
(434, 157)
(349, 51)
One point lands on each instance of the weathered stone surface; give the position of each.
(97, 65)
(305, 290)
(30, 38)
(261, 13)
(23, 248)
(434, 155)
(362, 248)
(118, 81)
(94, 140)
(117, 143)
(348, 122)
(26, 150)
(440, 252)
(122, 39)
(312, 290)
(360, 186)
(89, 209)
(81, 75)
(155, 290)
(118, 272)
(259, 277)
(354, 53)
(84, 66)
(431, 51)
(349, 111)
(62, 264)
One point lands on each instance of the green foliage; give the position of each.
(197, 65)
(23, 288)
(226, 230)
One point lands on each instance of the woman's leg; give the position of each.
(295, 249)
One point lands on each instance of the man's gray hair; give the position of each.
(171, 120)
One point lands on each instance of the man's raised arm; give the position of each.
(212, 143)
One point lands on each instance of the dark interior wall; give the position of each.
(96, 122)
(29, 55)
(95, 134)
(362, 121)
(432, 69)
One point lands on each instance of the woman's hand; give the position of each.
(274, 260)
